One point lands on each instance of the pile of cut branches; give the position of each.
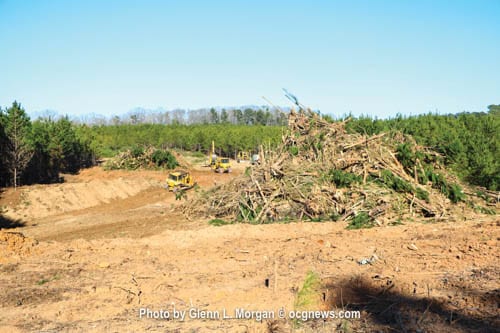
(142, 158)
(321, 172)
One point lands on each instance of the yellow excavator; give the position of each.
(180, 180)
(218, 164)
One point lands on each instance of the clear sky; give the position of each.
(370, 57)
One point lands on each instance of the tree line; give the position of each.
(468, 142)
(249, 115)
(38, 151)
(228, 138)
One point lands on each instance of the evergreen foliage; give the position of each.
(163, 158)
(36, 152)
(468, 142)
(18, 153)
(229, 139)
(342, 179)
(142, 157)
(361, 221)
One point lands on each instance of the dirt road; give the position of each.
(97, 249)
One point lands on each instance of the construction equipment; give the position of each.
(218, 164)
(212, 157)
(222, 164)
(255, 159)
(242, 156)
(180, 180)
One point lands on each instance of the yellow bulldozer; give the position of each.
(180, 180)
(222, 164)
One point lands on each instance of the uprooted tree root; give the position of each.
(321, 172)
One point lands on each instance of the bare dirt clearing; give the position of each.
(103, 204)
(96, 249)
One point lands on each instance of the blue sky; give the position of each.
(366, 57)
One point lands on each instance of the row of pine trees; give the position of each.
(469, 142)
(38, 151)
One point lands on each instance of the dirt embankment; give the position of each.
(44, 200)
(102, 204)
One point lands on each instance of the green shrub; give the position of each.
(163, 158)
(484, 210)
(246, 214)
(309, 294)
(422, 195)
(137, 151)
(452, 191)
(181, 194)
(294, 150)
(342, 179)
(360, 221)
(218, 222)
(481, 195)
(405, 155)
(455, 193)
(396, 183)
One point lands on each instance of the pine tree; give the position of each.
(3, 144)
(224, 117)
(18, 153)
(214, 116)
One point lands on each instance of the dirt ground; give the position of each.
(88, 254)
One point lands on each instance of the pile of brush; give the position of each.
(322, 172)
(142, 158)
